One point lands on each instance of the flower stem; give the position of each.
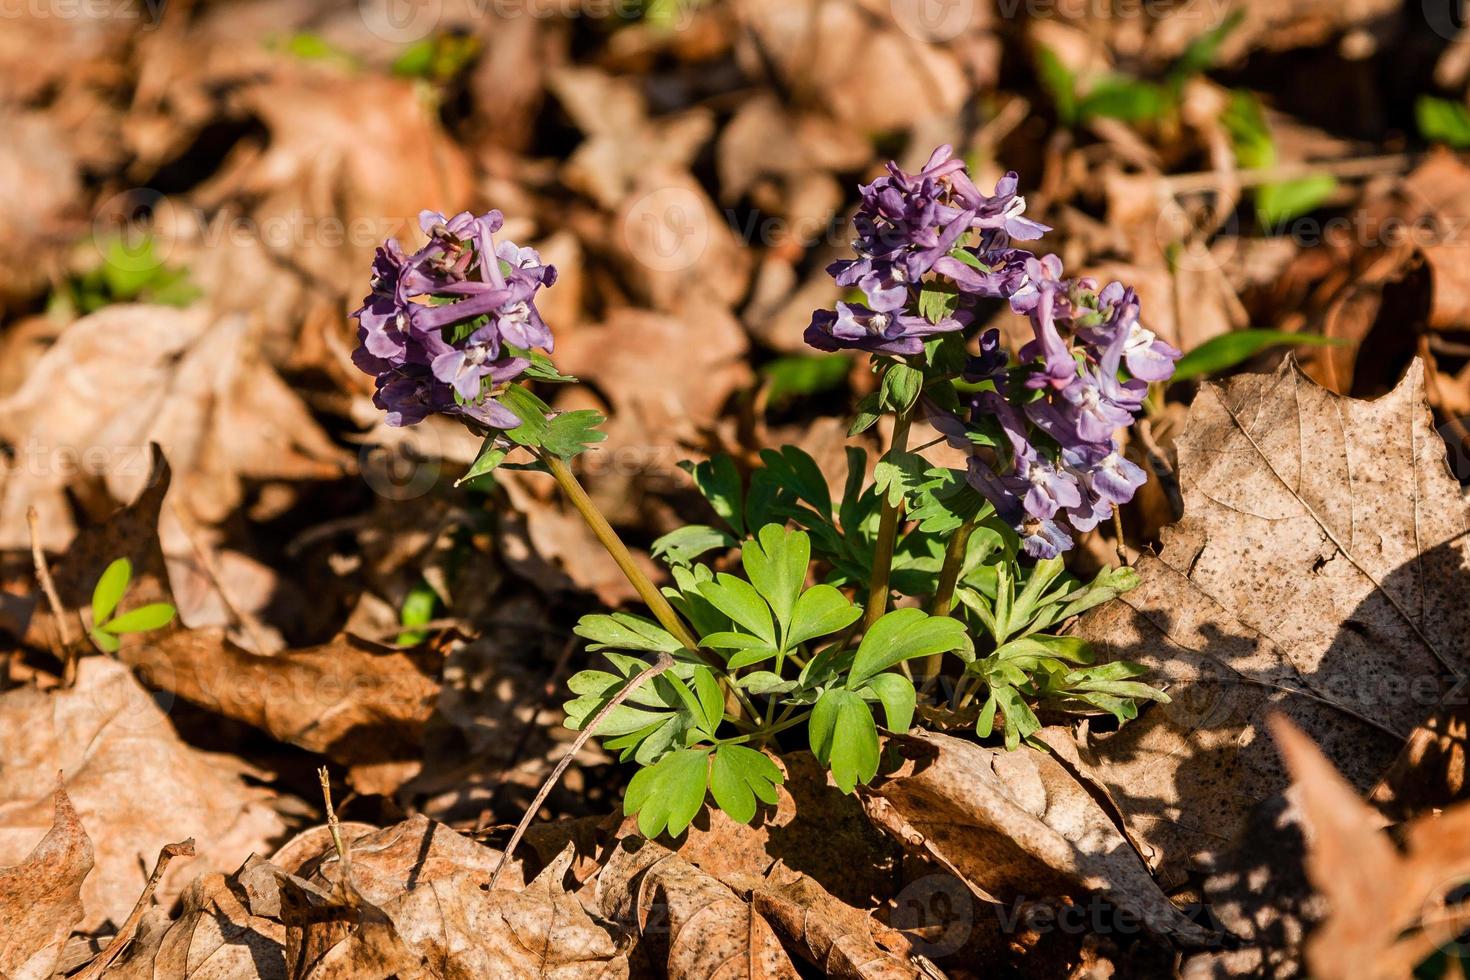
(887, 534)
(609, 539)
(949, 577)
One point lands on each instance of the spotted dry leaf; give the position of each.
(1318, 571)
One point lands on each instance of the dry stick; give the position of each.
(1208, 180)
(335, 827)
(124, 935)
(661, 664)
(887, 534)
(48, 586)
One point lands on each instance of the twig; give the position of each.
(336, 829)
(58, 612)
(1159, 462)
(887, 535)
(661, 664)
(104, 959)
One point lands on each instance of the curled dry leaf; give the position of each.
(1392, 906)
(695, 925)
(1018, 825)
(41, 897)
(129, 772)
(1319, 571)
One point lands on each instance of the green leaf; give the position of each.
(719, 482)
(155, 615)
(904, 634)
(1058, 82)
(901, 387)
(740, 776)
(669, 794)
(573, 433)
(416, 61)
(489, 458)
(541, 368)
(899, 474)
(1201, 53)
(896, 693)
(106, 641)
(1127, 99)
(795, 375)
(776, 562)
(625, 631)
(1230, 349)
(1443, 121)
(1250, 137)
(739, 600)
(820, 611)
(869, 411)
(687, 543)
(844, 737)
(711, 700)
(1278, 203)
(532, 412)
(1021, 722)
(938, 301)
(795, 470)
(765, 682)
(109, 589)
(418, 609)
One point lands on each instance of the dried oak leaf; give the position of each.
(693, 924)
(128, 772)
(1393, 905)
(41, 897)
(1017, 825)
(1318, 571)
(131, 375)
(842, 941)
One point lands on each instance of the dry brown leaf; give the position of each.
(1017, 825)
(696, 926)
(221, 933)
(837, 938)
(450, 926)
(388, 862)
(1318, 571)
(361, 704)
(1391, 906)
(41, 897)
(128, 376)
(127, 771)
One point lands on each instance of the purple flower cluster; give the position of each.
(1062, 467)
(933, 223)
(449, 325)
(1059, 466)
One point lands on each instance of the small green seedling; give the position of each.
(110, 588)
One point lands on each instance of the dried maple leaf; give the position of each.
(41, 897)
(1318, 571)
